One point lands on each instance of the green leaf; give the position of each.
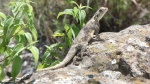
(75, 11)
(33, 31)
(75, 30)
(16, 28)
(17, 50)
(49, 51)
(2, 73)
(22, 32)
(6, 55)
(60, 46)
(68, 42)
(7, 61)
(30, 18)
(68, 30)
(1, 33)
(2, 15)
(56, 55)
(7, 24)
(30, 9)
(35, 53)
(51, 47)
(73, 2)
(58, 33)
(41, 66)
(82, 16)
(55, 62)
(16, 66)
(66, 11)
(3, 45)
(32, 28)
(85, 7)
(46, 54)
(20, 39)
(11, 4)
(19, 15)
(16, 7)
(29, 37)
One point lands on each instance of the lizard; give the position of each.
(90, 29)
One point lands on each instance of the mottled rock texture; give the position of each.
(118, 58)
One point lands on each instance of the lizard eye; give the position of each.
(100, 11)
(96, 15)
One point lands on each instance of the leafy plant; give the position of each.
(79, 14)
(13, 28)
(51, 50)
(71, 31)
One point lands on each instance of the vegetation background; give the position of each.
(121, 14)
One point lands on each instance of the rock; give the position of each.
(119, 58)
(112, 74)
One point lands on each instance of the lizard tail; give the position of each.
(68, 57)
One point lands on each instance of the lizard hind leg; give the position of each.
(82, 47)
(80, 53)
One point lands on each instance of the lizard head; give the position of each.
(100, 13)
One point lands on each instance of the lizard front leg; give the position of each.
(96, 33)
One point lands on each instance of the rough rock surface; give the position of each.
(118, 58)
